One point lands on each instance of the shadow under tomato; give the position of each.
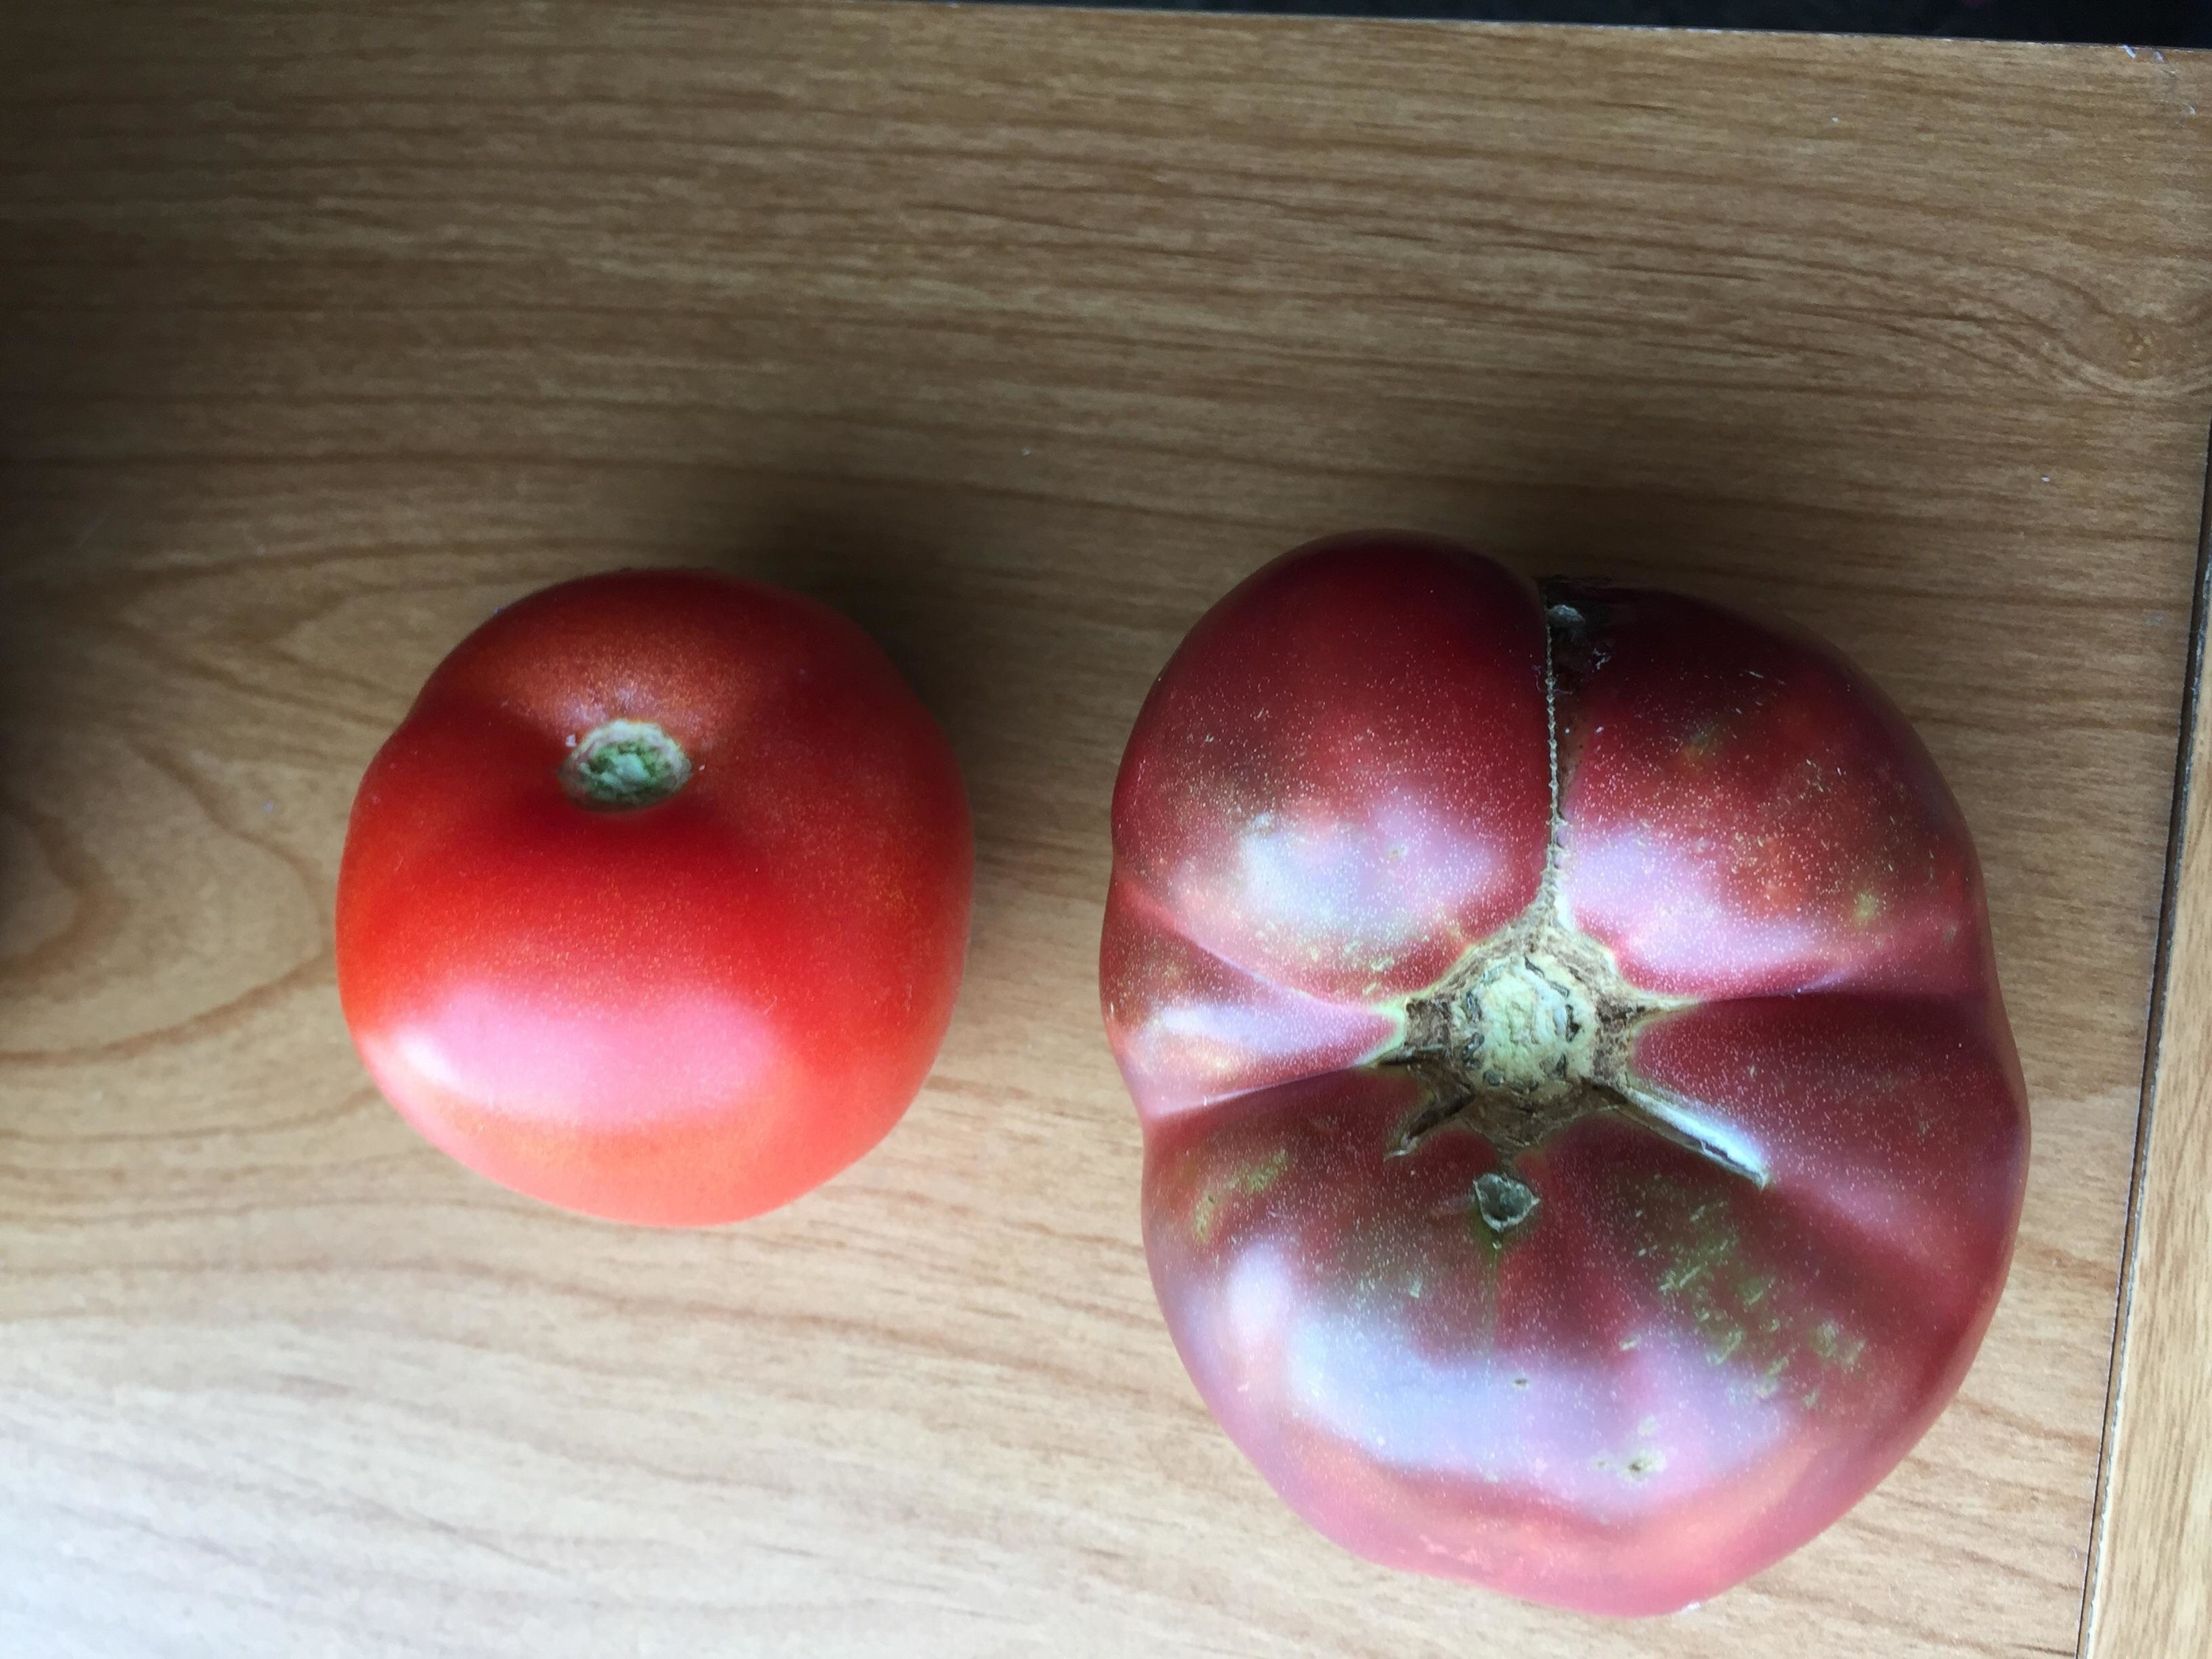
(904, 562)
(891, 563)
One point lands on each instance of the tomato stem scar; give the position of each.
(1503, 1201)
(1534, 1028)
(621, 765)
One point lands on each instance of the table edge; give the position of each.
(2155, 1463)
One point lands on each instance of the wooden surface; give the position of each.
(2151, 1579)
(324, 329)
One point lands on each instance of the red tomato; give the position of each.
(1583, 1144)
(654, 906)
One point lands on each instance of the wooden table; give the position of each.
(1020, 336)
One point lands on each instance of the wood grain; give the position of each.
(1020, 336)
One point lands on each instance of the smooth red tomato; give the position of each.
(655, 905)
(1583, 1144)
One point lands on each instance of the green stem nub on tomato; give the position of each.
(622, 765)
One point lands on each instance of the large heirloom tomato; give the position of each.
(655, 905)
(1583, 1144)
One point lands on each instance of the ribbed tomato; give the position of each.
(1583, 1144)
(655, 905)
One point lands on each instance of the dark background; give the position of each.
(2135, 22)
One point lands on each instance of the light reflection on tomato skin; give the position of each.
(1673, 1371)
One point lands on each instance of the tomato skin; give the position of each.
(1706, 1332)
(1320, 808)
(685, 1012)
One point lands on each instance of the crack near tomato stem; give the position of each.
(1548, 883)
(1688, 1123)
(1513, 1124)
